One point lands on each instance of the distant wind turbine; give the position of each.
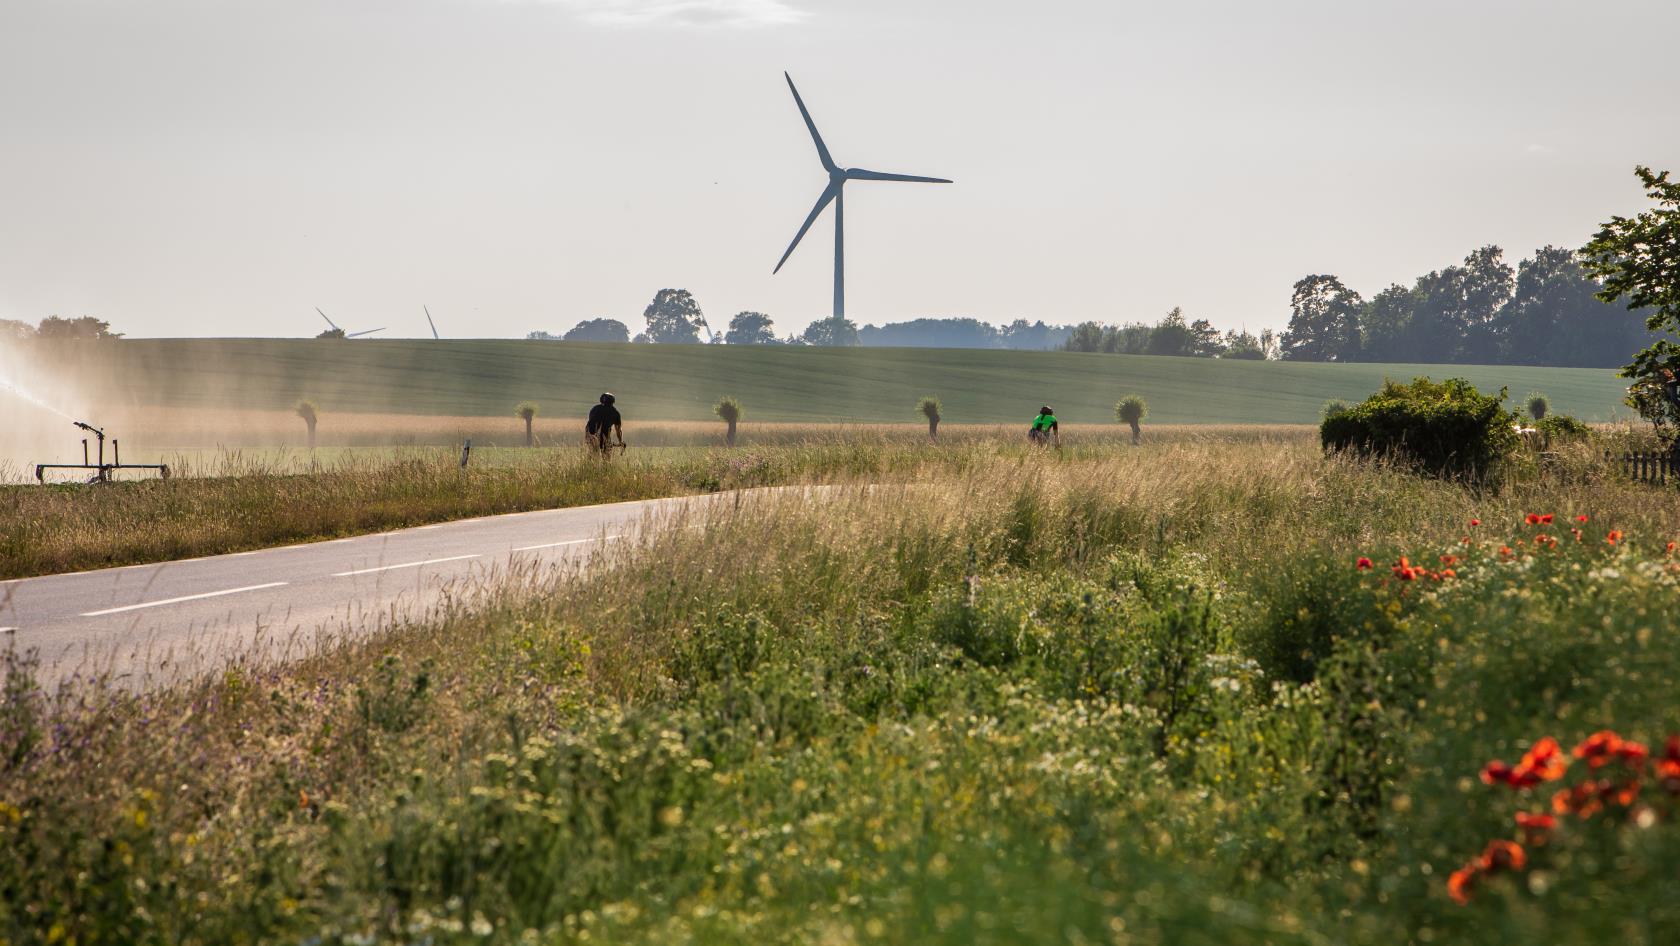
(837, 178)
(369, 331)
(431, 323)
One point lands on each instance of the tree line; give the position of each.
(52, 326)
(675, 318)
(1173, 335)
(1547, 311)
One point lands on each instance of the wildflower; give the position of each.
(1406, 571)
(1670, 549)
(1543, 762)
(1505, 551)
(1364, 564)
(1581, 800)
(1599, 748)
(1462, 883)
(1532, 519)
(1546, 519)
(1668, 766)
(1614, 537)
(1449, 560)
(1536, 827)
(1577, 534)
(1581, 518)
(1503, 855)
(1475, 522)
(1447, 573)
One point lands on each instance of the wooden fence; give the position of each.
(1654, 468)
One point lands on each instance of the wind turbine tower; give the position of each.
(835, 193)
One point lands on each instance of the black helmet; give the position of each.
(607, 398)
(1046, 410)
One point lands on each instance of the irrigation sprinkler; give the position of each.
(101, 470)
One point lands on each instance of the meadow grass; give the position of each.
(1007, 696)
(231, 500)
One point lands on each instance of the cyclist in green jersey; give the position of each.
(1044, 428)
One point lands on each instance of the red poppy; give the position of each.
(1363, 564)
(1546, 519)
(1581, 518)
(1543, 762)
(1503, 855)
(1536, 827)
(1633, 754)
(1505, 551)
(1462, 883)
(1670, 549)
(1582, 801)
(1447, 573)
(1668, 766)
(1406, 571)
(1532, 519)
(1614, 536)
(1599, 748)
(1475, 522)
(1449, 560)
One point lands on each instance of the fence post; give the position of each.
(466, 452)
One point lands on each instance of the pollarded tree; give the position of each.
(729, 410)
(1639, 260)
(1131, 410)
(306, 410)
(929, 406)
(750, 328)
(527, 411)
(673, 318)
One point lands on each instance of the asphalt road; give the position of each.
(160, 621)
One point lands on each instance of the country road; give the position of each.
(184, 615)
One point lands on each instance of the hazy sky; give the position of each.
(220, 167)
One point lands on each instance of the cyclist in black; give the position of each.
(604, 423)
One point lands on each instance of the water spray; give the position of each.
(101, 470)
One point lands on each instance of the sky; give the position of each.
(222, 167)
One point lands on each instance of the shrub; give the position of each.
(1537, 405)
(1562, 426)
(1333, 407)
(1446, 428)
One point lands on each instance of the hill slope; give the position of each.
(774, 383)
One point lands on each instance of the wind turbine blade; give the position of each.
(859, 174)
(430, 322)
(822, 149)
(366, 332)
(828, 194)
(324, 316)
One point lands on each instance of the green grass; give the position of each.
(1121, 695)
(489, 378)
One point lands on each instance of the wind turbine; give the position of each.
(348, 334)
(429, 321)
(835, 192)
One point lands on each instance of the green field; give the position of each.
(489, 377)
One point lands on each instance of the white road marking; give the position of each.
(207, 594)
(552, 545)
(386, 568)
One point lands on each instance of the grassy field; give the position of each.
(654, 382)
(1107, 695)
